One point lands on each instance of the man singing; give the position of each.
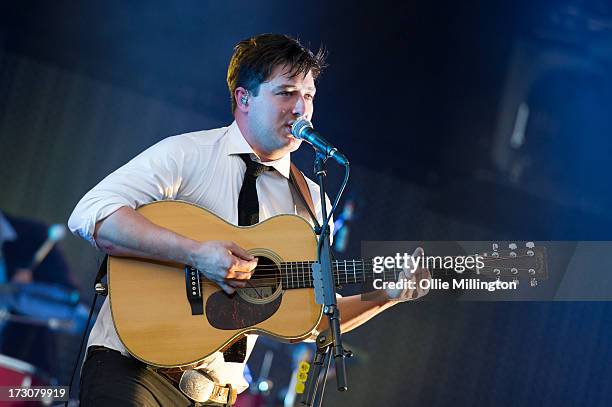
(271, 79)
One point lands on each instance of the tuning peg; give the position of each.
(512, 246)
(530, 245)
(530, 253)
(533, 282)
(514, 270)
(512, 254)
(531, 272)
(494, 254)
(497, 272)
(495, 247)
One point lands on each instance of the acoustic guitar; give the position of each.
(169, 315)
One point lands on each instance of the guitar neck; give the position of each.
(299, 274)
(511, 264)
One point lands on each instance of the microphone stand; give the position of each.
(329, 342)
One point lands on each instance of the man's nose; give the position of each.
(299, 109)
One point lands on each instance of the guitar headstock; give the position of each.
(515, 261)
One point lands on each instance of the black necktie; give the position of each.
(248, 214)
(248, 204)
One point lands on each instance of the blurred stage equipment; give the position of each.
(41, 304)
(55, 233)
(300, 363)
(552, 135)
(16, 373)
(260, 389)
(342, 226)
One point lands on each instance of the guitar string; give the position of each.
(353, 263)
(300, 270)
(273, 280)
(299, 274)
(294, 269)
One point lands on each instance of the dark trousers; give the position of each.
(110, 379)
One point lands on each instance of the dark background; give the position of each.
(423, 97)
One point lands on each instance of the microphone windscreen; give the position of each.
(298, 126)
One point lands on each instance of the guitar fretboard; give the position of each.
(299, 274)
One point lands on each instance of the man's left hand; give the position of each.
(409, 273)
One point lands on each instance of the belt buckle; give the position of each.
(223, 395)
(199, 387)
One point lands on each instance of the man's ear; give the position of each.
(241, 96)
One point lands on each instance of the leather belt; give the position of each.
(192, 383)
(98, 348)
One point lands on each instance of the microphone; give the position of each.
(302, 129)
(55, 233)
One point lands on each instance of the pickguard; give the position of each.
(233, 312)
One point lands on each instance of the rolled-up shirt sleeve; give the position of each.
(153, 175)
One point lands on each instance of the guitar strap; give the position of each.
(297, 180)
(102, 270)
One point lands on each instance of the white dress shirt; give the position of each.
(201, 167)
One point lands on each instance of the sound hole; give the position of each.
(264, 284)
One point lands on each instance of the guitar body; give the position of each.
(149, 303)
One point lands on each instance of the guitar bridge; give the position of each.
(194, 290)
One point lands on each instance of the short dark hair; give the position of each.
(255, 58)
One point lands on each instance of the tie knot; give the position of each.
(253, 169)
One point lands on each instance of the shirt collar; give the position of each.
(237, 144)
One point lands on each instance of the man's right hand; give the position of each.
(225, 263)
(127, 233)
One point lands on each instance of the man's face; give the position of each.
(279, 102)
